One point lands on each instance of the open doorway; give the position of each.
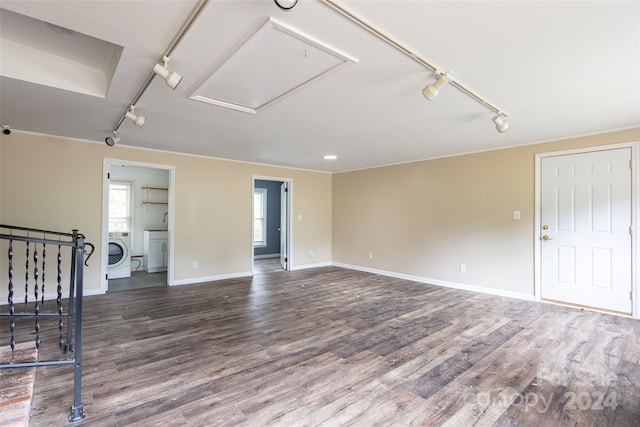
(137, 223)
(271, 201)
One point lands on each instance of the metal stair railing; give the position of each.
(36, 301)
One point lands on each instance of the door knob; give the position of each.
(546, 237)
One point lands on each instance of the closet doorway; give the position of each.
(271, 224)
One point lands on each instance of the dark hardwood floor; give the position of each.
(335, 347)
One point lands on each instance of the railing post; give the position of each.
(68, 348)
(77, 410)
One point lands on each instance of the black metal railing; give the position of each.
(52, 321)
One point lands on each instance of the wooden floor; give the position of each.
(335, 347)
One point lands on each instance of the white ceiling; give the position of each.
(559, 68)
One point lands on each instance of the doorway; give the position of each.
(271, 230)
(585, 222)
(137, 222)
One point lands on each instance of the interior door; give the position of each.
(586, 256)
(284, 223)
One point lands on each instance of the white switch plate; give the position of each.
(516, 215)
(463, 268)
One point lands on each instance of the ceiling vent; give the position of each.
(270, 65)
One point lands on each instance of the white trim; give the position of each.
(106, 165)
(265, 199)
(443, 283)
(203, 279)
(273, 165)
(635, 186)
(308, 266)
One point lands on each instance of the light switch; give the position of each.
(299, 217)
(516, 215)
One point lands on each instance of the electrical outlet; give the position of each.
(194, 265)
(370, 255)
(310, 252)
(463, 268)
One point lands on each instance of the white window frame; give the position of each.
(128, 218)
(260, 243)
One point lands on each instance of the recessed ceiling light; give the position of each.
(330, 157)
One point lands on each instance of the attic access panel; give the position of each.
(270, 65)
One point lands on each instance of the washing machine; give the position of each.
(119, 255)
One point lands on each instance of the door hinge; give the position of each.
(631, 230)
(106, 277)
(631, 295)
(108, 175)
(631, 164)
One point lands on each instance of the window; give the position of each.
(119, 206)
(260, 217)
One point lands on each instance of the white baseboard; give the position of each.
(454, 285)
(308, 266)
(194, 280)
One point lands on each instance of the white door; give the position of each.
(284, 230)
(586, 229)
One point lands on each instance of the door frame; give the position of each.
(288, 231)
(106, 166)
(635, 302)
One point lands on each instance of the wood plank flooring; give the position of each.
(335, 347)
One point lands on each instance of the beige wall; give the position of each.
(426, 218)
(56, 184)
(421, 219)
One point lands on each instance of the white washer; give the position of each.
(119, 255)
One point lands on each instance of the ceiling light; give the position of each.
(135, 118)
(431, 90)
(170, 77)
(330, 157)
(112, 140)
(502, 125)
(286, 4)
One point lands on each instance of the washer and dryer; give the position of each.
(119, 255)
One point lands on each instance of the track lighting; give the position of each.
(431, 90)
(286, 4)
(135, 118)
(6, 130)
(170, 77)
(502, 125)
(112, 140)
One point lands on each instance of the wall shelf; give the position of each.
(148, 188)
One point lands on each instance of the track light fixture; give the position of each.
(193, 16)
(170, 77)
(112, 140)
(431, 90)
(286, 4)
(6, 130)
(502, 125)
(135, 118)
